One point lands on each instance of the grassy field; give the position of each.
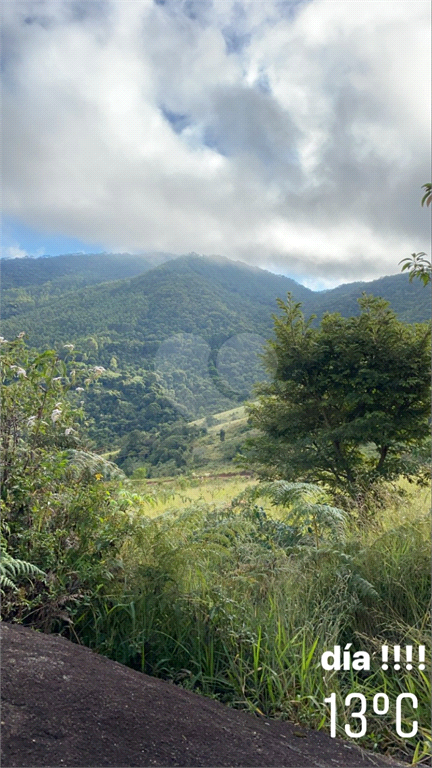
(160, 496)
(234, 589)
(228, 599)
(213, 452)
(226, 432)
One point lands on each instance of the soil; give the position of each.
(64, 705)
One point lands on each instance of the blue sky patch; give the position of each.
(177, 121)
(16, 235)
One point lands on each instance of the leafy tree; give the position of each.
(417, 265)
(40, 398)
(347, 400)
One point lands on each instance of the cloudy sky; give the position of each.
(290, 134)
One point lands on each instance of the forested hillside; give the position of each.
(179, 340)
(27, 283)
(411, 303)
(190, 294)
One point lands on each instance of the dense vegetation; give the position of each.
(347, 401)
(168, 448)
(188, 329)
(29, 283)
(231, 593)
(69, 306)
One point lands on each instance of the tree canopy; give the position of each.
(346, 401)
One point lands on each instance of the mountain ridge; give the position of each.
(181, 339)
(170, 294)
(25, 272)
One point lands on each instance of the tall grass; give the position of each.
(231, 603)
(182, 491)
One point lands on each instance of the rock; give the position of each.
(64, 705)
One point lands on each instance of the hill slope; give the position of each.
(193, 294)
(410, 301)
(178, 339)
(28, 282)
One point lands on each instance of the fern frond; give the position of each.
(363, 587)
(6, 582)
(13, 570)
(91, 464)
(284, 493)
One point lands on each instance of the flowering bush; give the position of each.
(58, 518)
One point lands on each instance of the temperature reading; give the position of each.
(357, 706)
(376, 704)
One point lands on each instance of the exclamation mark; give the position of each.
(396, 651)
(384, 651)
(408, 656)
(422, 657)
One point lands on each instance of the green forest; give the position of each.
(213, 475)
(170, 328)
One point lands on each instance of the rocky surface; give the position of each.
(64, 705)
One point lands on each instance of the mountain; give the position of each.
(192, 294)
(180, 339)
(211, 296)
(410, 301)
(28, 282)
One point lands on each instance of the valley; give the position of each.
(176, 506)
(179, 338)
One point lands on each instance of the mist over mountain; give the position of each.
(179, 339)
(28, 280)
(34, 284)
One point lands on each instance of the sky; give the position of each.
(293, 135)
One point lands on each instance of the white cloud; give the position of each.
(293, 134)
(15, 252)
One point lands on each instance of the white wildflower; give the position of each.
(31, 421)
(58, 378)
(98, 369)
(68, 346)
(19, 371)
(20, 335)
(79, 389)
(55, 415)
(69, 430)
